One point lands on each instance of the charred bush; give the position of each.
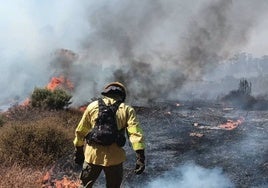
(244, 87)
(261, 103)
(240, 100)
(242, 96)
(47, 99)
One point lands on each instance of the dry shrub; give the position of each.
(23, 114)
(1, 120)
(36, 144)
(17, 177)
(34, 139)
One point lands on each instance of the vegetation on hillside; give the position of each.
(44, 98)
(35, 137)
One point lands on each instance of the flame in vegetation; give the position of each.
(228, 125)
(61, 64)
(65, 182)
(60, 82)
(62, 61)
(83, 108)
(231, 124)
(26, 102)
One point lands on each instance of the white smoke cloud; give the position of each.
(113, 37)
(191, 175)
(30, 32)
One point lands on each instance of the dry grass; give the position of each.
(18, 177)
(26, 174)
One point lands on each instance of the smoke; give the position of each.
(30, 33)
(222, 28)
(192, 175)
(159, 49)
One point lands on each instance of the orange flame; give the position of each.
(231, 124)
(55, 83)
(26, 102)
(46, 178)
(65, 182)
(82, 108)
(60, 82)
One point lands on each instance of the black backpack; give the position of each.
(105, 131)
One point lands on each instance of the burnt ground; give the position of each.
(185, 147)
(241, 154)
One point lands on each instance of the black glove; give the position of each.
(79, 155)
(140, 162)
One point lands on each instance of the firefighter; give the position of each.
(96, 158)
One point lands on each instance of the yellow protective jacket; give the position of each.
(113, 154)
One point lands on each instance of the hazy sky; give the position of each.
(31, 25)
(33, 29)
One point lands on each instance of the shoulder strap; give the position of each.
(114, 106)
(101, 103)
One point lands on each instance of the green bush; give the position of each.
(47, 99)
(35, 144)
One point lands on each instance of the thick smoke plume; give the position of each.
(159, 49)
(220, 30)
(148, 47)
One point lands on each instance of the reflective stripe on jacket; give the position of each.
(113, 154)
